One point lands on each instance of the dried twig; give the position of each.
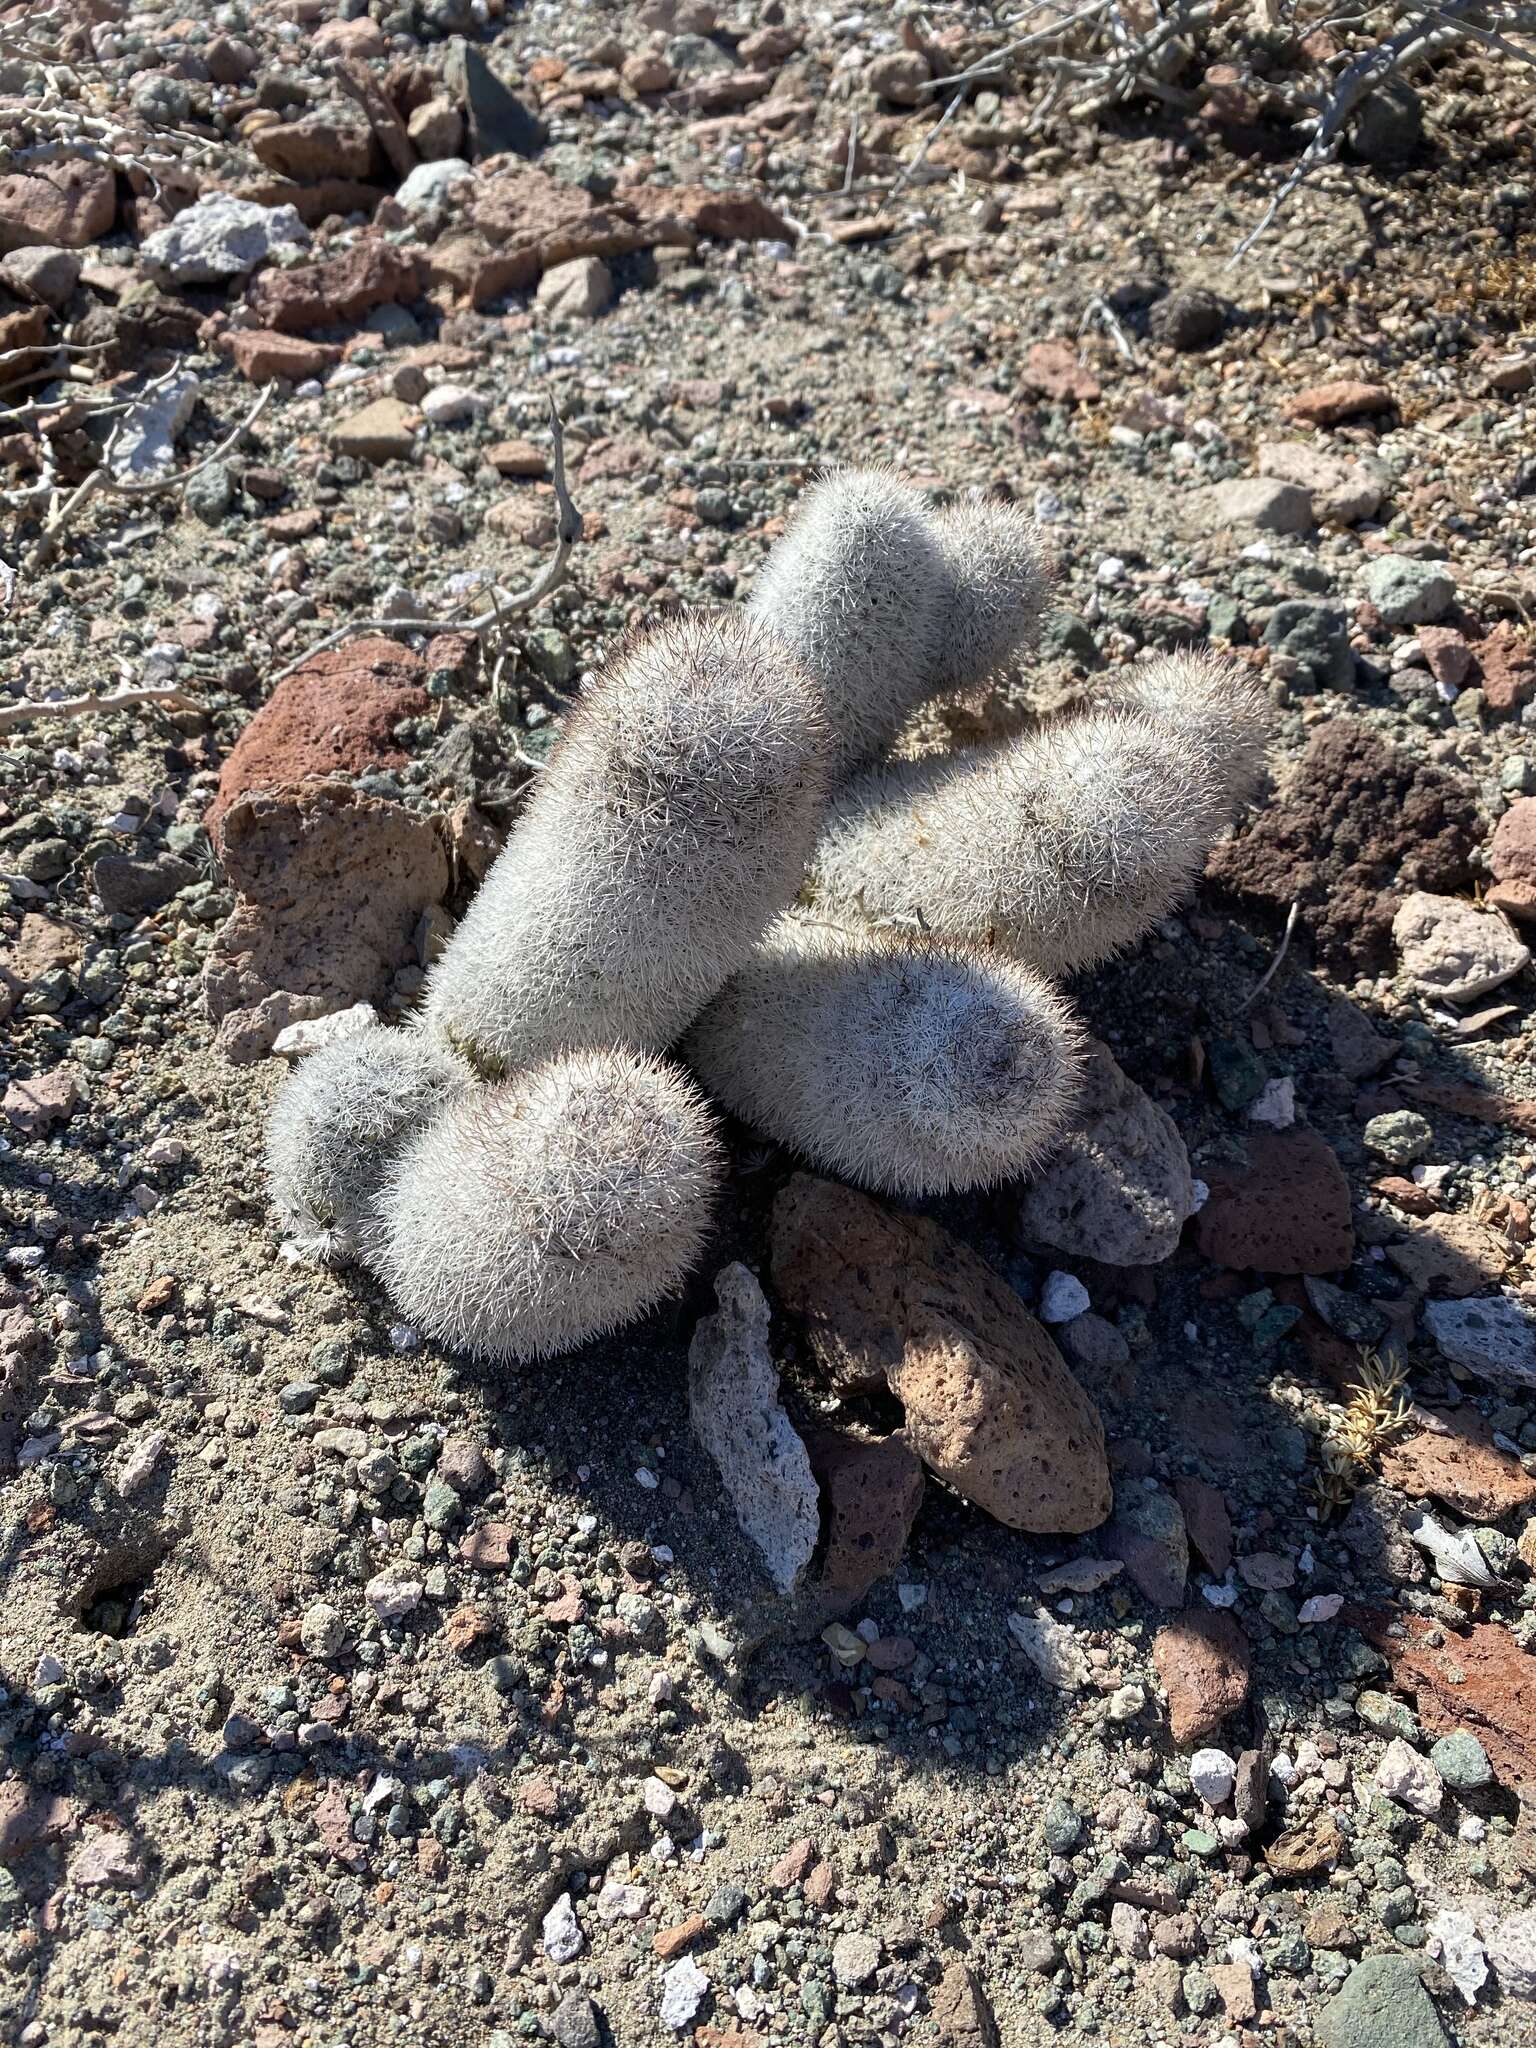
(1274, 966)
(504, 604)
(12, 715)
(911, 170)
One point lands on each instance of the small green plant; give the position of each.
(1357, 1430)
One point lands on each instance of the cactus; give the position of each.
(527, 1217)
(903, 1064)
(858, 588)
(672, 823)
(1064, 846)
(999, 577)
(335, 1123)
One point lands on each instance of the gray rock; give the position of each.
(496, 117)
(428, 185)
(42, 273)
(1342, 491)
(578, 290)
(1188, 319)
(1408, 592)
(734, 1406)
(1451, 950)
(1400, 1136)
(1388, 126)
(220, 237)
(1316, 636)
(1383, 2005)
(1257, 501)
(574, 2022)
(1119, 1187)
(133, 886)
(210, 493)
(1490, 1337)
(1462, 1762)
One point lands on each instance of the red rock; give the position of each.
(675, 1941)
(63, 205)
(1346, 398)
(517, 458)
(1052, 368)
(1506, 662)
(330, 887)
(334, 716)
(1454, 1458)
(1481, 1681)
(107, 1861)
(1235, 1989)
(793, 1867)
(990, 1405)
(1228, 102)
(719, 91)
(315, 202)
(822, 1882)
(491, 1547)
(522, 222)
(1447, 653)
(338, 291)
(261, 354)
(35, 1106)
(540, 1798)
(1208, 1523)
(871, 1490)
(1512, 851)
(722, 216)
(314, 147)
(1406, 1194)
(1286, 1212)
(1515, 899)
(1201, 1660)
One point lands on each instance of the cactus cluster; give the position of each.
(724, 868)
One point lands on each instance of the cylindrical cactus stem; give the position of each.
(999, 575)
(858, 588)
(904, 1064)
(1065, 846)
(670, 826)
(337, 1120)
(530, 1216)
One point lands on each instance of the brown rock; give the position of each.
(1329, 405)
(382, 432)
(900, 76)
(43, 946)
(1358, 826)
(871, 1490)
(1052, 368)
(1329, 1926)
(1286, 1212)
(1515, 899)
(720, 91)
(314, 147)
(468, 1625)
(1447, 653)
(1303, 1851)
(722, 216)
(1512, 850)
(517, 458)
(334, 716)
(990, 1404)
(821, 1884)
(1235, 1989)
(261, 354)
(793, 1867)
(337, 291)
(330, 887)
(28, 1817)
(314, 202)
(1207, 1521)
(961, 2010)
(675, 1941)
(491, 1547)
(63, 205)
(1454, 1458)
(436, 130)
(1482, 1681)
(1454, 1255)
(1406, 1194)
(1506, 665)
(35, 1106)
(1201, 1660)
(522, 222)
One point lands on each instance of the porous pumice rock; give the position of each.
(670, 825)
(1118, 1186)
(525, 1218)
(990, 1405)
(906, 1065)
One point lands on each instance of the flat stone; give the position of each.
(1207, 1522)
(736, 1413)
(1341, 491)
(382, 432)
(1288, 1211)
(1408, 592)
(855, 1959)
(336, 291)
(990, 1405)
(1383, 2005)
(1453, 1458)
(1494, 1339)
(1344, 398)
(578, 290)
(1451, 1254)
(1118, 1188)
(871, 1490)
(1148, 1536)
(220, 237)
(1451, 950)
(262, 355)
(1262, 503)
(960, 2009)
(1202, 1663)
(35, 1106)
(63, 205)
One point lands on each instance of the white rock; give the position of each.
(1512, 1951)
(1453, 1939)
(311, 1033)
(733, 1404)
(220, 237)
(682, 1993)
(390, 1595)
(1451, 950)
(622, 1901)
(563, 1938)
(145, 441)
(1128, 1929)
(855, 1959)
(1213, 1774)
(659, 1798)
(1275, 1104)
(1062, 1297)
(1052, 1648)
(445, 404)
(576, 290)
(138, 1467)
(1321, 1607)
(1409, 1778)
(427, 186)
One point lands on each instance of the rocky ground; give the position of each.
(350, 1695)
